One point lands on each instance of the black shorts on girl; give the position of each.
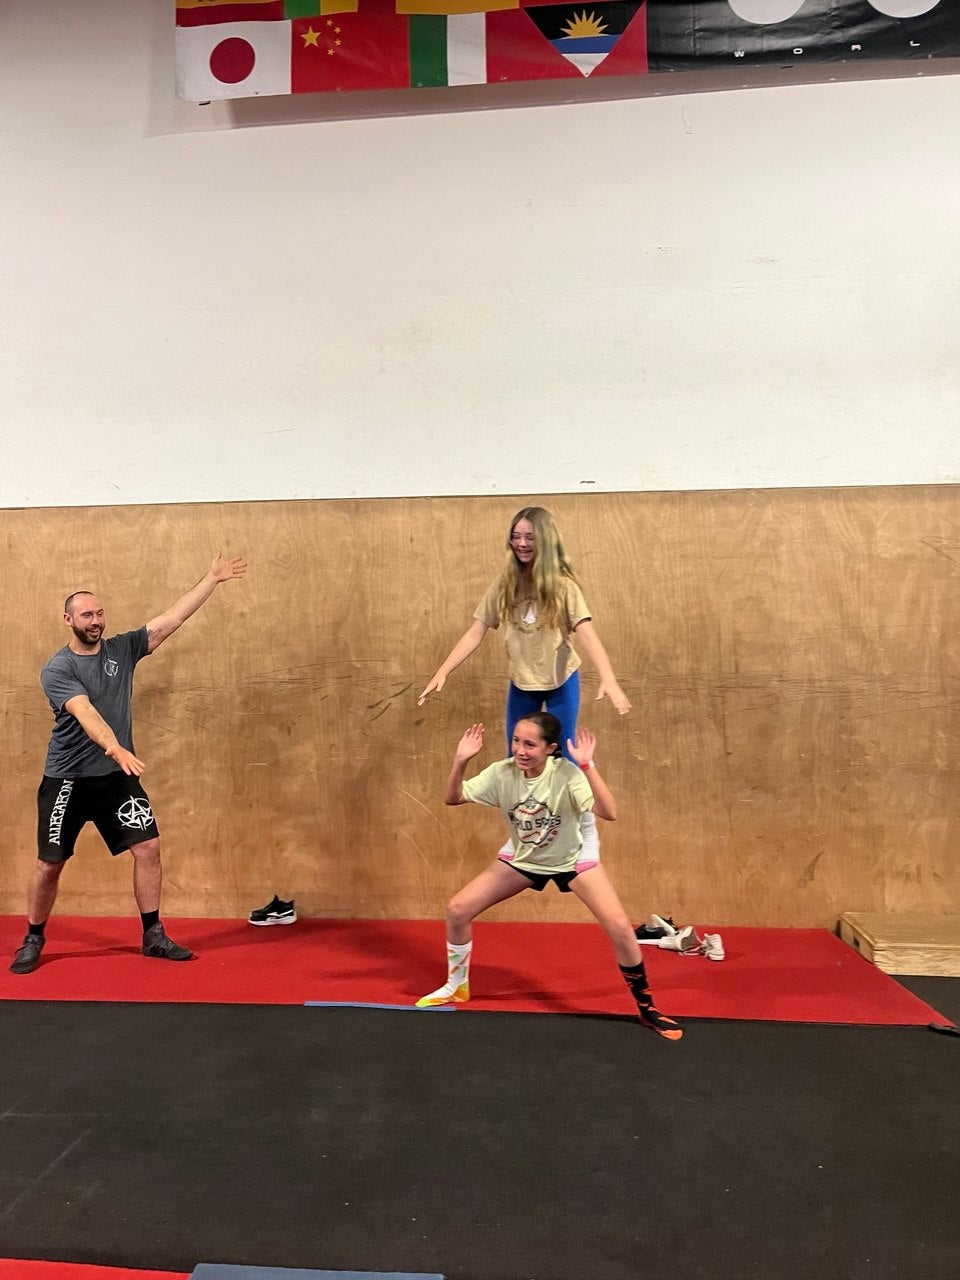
(115, 803)
(539, 882)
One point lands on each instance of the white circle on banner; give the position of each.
(904, 8)
(764, 12)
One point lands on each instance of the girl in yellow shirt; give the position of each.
(542, 796)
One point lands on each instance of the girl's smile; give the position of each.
(523, 542)
(529, 749)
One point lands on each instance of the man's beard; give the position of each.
(81, 634)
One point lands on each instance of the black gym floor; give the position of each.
(480, 1145)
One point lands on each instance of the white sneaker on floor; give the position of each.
(685, 941)
(712, 946)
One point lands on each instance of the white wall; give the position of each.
(724, 290)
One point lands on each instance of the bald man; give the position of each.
(91, 772)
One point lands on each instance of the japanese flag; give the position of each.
(233, 60)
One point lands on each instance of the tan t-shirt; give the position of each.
(540, 657)
(543, 813)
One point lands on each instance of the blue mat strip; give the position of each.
(363, 1004)
(224, 1271)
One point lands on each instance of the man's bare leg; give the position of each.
(147, 882)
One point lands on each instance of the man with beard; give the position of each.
(91, 772)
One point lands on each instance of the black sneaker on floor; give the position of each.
(275, 912)
(28, 955)
(158, 946)
(657, 927)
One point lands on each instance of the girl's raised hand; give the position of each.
(620, 701)
(582, 750)
(435, 685)
(471, 744)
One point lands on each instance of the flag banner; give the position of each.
(252, 48)
(723, 32)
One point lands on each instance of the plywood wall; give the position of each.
(792, 656)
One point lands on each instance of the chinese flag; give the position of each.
(364, 50)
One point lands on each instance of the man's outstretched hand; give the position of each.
(223, 570)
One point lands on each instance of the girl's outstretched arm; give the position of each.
(586, 633)
(581, 752)
(468, 642)
(470, 745)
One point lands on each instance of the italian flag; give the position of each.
(448, 49)
(481, 48)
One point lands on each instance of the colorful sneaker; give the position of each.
(445, 995)
(28, 954)
(158, 946)
(657, 927)
(712, 946)
(275, 912)
(685, 941)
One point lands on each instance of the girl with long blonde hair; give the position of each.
(537, 601)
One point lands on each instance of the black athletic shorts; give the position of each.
(539, 882)
(115, 803)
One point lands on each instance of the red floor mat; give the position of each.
(19, 1269)
(785, 975)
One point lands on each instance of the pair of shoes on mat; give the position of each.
(689, 944)
(158, 946)
(661, 931)
(275, 912)
(28, 954)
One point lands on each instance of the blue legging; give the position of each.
(564, 703)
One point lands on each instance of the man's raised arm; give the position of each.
(165, 624)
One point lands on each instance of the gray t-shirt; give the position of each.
(106, 678)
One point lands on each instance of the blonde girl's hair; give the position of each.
(550, 572)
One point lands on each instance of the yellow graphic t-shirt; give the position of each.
(540, 657)
(543, 813)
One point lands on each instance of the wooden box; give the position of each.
(908, 944)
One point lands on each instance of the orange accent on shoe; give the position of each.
(661, 1024)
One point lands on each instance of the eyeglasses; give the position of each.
(523, 537)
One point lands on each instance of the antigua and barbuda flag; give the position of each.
(584, 34)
